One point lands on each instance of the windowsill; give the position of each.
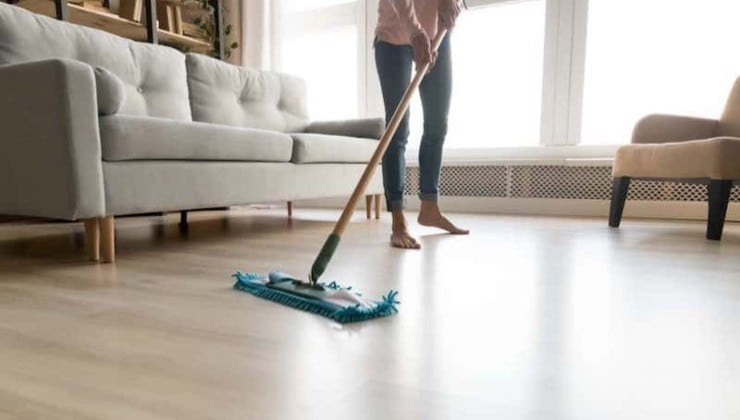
(566, 155)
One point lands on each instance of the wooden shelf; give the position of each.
(94, 15)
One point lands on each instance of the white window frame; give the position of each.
(566, 25)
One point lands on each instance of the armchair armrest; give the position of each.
(660, 128)
(369, 128)
(50, 158)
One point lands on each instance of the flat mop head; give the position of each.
(332, 301)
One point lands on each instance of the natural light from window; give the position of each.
(497, 67)
(319, 44)
(657, 56)
(309, 5)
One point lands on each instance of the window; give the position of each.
(497, 77)
(656, 56)
(319, 42)
(531, 72)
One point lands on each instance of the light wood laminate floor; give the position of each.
(526, 318)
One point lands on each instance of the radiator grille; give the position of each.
(552, 181)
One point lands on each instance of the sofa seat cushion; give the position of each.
(323, 148)
(715, 158)
(126, 137)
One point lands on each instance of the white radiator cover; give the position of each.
(572, 182)
(554, 187)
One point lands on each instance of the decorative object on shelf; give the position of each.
(211, 22)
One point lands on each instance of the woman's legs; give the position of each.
(436, 91)
(394, 64)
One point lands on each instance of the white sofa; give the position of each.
(94, 126)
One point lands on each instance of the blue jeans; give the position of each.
(395, 65)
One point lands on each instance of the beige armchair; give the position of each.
(673, 148)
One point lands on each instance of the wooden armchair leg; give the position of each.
(108, 239)
(92, 238)
(719, 198)
(620, 187)
(290, 209)
(378, 204)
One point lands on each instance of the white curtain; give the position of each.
(259, 19)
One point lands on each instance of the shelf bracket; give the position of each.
(151, 21)
(61, 9)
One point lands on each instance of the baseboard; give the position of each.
(684, 210)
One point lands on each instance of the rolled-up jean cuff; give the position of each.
(429, 197)
(394, 205)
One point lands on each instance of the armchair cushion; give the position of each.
(110, 91)
(660, 128)
(730, 121)
(715, 158)
(322, 148)
(370, 128)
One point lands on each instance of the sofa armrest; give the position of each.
(369, 128)
(50, 158)
(660, 128)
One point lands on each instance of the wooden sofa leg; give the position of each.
(290, 209)
(368, 206)
(378, 204)
(108, 239)
(719, 198)
(92, 238)
(620, 187)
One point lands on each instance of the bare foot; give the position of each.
(404, 240)
(430, 215)
(400, 238)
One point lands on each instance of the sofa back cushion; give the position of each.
(153, 76)
(729, 124)
(221, 93)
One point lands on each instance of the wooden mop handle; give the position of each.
(385, 140)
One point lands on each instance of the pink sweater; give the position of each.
(400, 20)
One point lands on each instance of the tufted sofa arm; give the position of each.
(50, 155)
(369, 128)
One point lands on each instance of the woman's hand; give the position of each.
(449, 10)
(423, 53)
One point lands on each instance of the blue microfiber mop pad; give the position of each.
(337, 303)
